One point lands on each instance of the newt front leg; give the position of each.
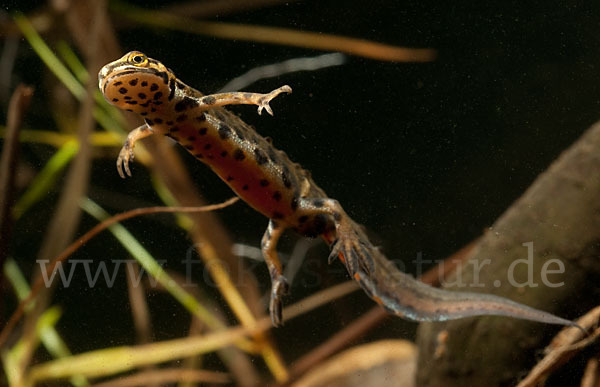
(204, 103)
(126, 154)
(241, 98)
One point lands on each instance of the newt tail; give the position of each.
(266, 179)
(403, 295)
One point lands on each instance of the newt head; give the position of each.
(137, 83)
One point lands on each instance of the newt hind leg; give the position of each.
(279, 285)
(349, 244)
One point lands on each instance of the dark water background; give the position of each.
(425, 155)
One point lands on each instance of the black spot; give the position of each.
(131, 102)
(145, 104)
(239, 155)
(202, 131)
(170, 136)
(210, 100)
(245, 187)
(260, 156)
(144, 83)
(277, 196)
(157, 103)
(187, 102)
(272, 155)
(152, 110)
(269, 139)
(169, 122)
(164, 76)
(224, 153)
(154, 87)
(277, 215)
(158, 95)
(337, 216)
(198, 155)
(133, 82)
(302, 219)
(239, 133)
(229, 178)
(127, 97)
(173, 129)
(119, 83)
(207, 146)
(149, 122)
(201, 118)
(129, 110)
(181, 118)
(158, 120)
(319, 223)
(123, 90)
(294, 203)
(264, 182)
(144, 113)
(142, 95)
(189, 147)
(191, 138)
(171, 88)
(224, 131)
(180, 85)
(318, 203)
(286, 179)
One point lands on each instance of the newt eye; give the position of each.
(138, 59)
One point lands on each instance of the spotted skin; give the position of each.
(270, 182)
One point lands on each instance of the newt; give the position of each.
(267, 180)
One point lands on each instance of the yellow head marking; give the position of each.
(137, 83)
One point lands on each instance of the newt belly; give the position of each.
(251, 173)
(270, 182)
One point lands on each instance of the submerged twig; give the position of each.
(64, 222)
(139, 306)
(238, 362)
(281, 68)
(238, 287)
(7, 63)
(339, 341)
(220, 7)
(167, 375)
(569, 342)
(277, 35)
(119, 359)
(18, 313)
(8, 162)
